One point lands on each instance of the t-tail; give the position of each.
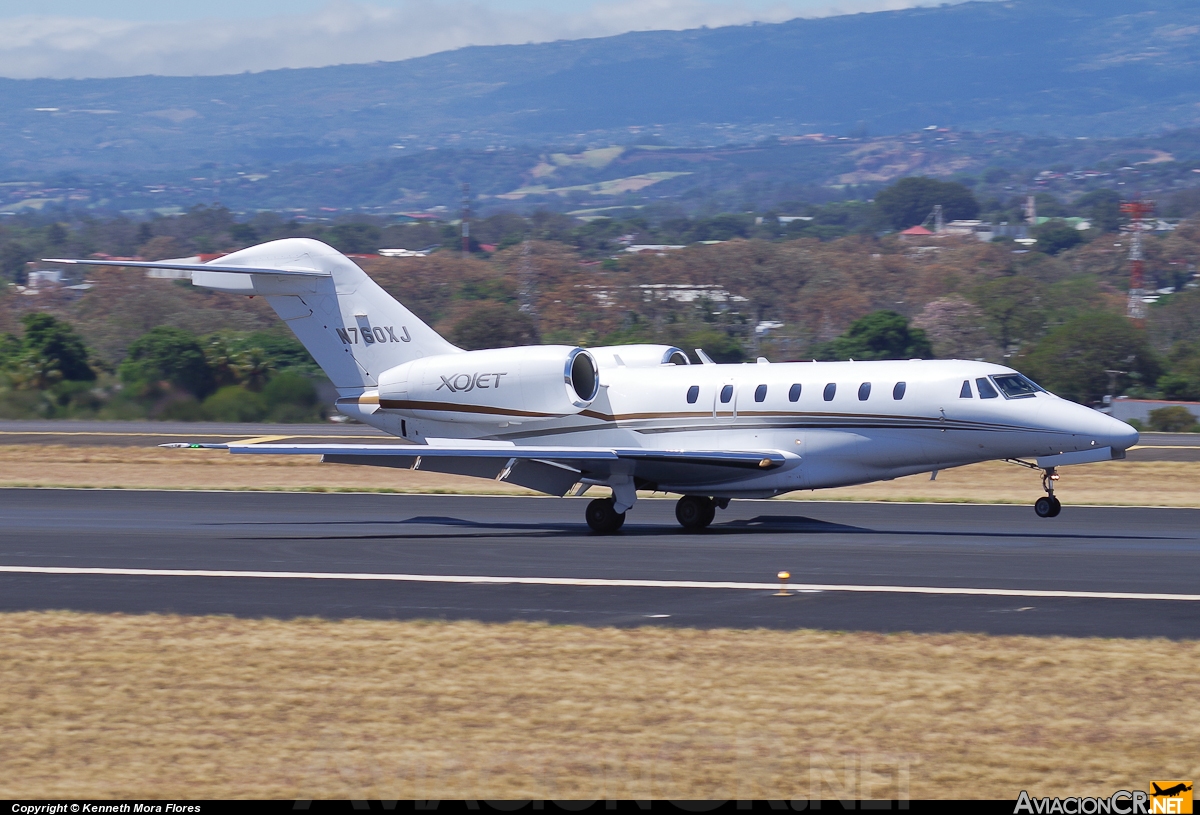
(352, 327)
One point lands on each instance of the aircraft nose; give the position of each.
(1110, 432)
(1099, 429)
(1122, 436)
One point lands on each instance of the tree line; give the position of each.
(1055, 315)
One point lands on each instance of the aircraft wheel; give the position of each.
(602, 518)
(695, 512)
(1047, 507)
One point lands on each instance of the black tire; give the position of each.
(1057, 508)
(1044, 507)
(695, 512)
(602, 518)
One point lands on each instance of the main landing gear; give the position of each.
(695, 512)
(1048, 506)
(603, 517)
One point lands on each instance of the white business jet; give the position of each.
(559, 419)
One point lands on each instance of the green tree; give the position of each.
(1174, 419)
(13, 257)
(910, 200)
(1073, 360)
(1102, 208)
(57, 344)
(1056, 236)
(879, 335)
(489, 324)
(234, 404)
(355, 238)
(253, 368)
(291, 397)
(1012, 308)
(165, 354)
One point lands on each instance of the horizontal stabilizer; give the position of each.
(187, 267)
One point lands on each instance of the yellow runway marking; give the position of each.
(262, 439)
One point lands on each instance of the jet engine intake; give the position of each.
(638, 356)
(497, 386)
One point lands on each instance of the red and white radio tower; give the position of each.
(1137, 212)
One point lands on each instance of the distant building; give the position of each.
(917, 231)
(180, 274)
(982, 230)
(403, 253)
(1124, 408)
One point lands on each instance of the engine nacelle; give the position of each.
(497, 386)
(639, 356)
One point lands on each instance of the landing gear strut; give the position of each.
(695, 512)
(602, 517)
(1048, 506)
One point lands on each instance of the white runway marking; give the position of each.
(596, 582)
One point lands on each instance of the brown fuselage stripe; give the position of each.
(448, 407)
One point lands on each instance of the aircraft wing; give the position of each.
(553, 470)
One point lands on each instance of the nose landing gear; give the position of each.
(1048, 506)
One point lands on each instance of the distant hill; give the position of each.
(1061, 67)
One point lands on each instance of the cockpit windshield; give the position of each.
(1015, 386)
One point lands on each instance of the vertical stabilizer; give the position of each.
(353, 328)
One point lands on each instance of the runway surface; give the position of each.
(1152, 447)
(1093, 571)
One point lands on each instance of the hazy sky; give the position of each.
(94, 38)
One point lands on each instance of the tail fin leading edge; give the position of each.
(352, 327)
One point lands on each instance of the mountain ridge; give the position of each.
(1064, 67)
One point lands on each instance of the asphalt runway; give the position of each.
(1093, 571)
(1152, 447)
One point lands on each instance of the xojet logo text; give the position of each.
(465, 383)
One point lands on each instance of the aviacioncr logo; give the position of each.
(465, 383)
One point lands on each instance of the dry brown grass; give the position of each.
(1111, 483)
(163, 706)
(58, 465)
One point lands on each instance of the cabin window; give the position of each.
(693, 394)
(986, 391)
(830, 390)
(794, 393)
(864, 391)
(965, 393)
(726, 394)
(898, 391)
(760, 393)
